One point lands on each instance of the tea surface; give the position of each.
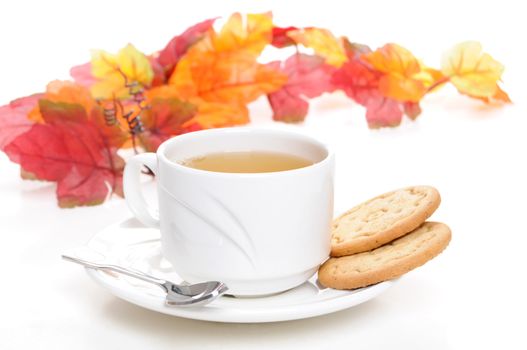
(247, 162)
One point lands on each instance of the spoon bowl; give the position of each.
(181, 295)
(194, 294)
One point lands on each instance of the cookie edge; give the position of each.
(388, 272)
(400, 229)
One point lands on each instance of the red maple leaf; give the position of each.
(159, 72)
(358, 81)
(412, 109)
(383, 111)
(81, 74)
(164, 119)
(72, 149)
(178, 46)
(280, 38)
(13, 118)
(308, 77)
(361, 83)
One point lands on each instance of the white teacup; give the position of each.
(259, 233)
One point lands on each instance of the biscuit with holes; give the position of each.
(382, 219)
(389, 261)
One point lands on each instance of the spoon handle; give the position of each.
(119, 269)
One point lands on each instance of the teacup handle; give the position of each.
(132, 188)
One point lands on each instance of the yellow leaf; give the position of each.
(116, 71)
(323, 42)
(472, 71)
(251, 37)
(113, 86)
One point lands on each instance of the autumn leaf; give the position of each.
(361, 83)
(401, 73)
(472, 71)
(323, 42)
(357, 78)
(159, 77)
(382, 112)
(235, 78)
(218, 115)
(205, 78)
(358, 81)
(412, 109)
(251, 37)
(164, 119)
(222, 68)
(13, 118)
(59, 112)
(178, 46)
(392, 58)
(73, 152)
(209, 114)
(280, 37)
(114, 72)
(115, 135)
(499, 96)
(65, 92)
(308, 77)
(81, 74)
(354, 50)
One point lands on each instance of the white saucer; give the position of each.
(132, 245)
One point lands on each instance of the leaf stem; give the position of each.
(438, 83)
(134, 144)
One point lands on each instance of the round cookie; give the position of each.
(382, 219)
(389, 261)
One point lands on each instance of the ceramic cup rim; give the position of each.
(327, 158)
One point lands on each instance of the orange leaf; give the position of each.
(162, 92)
(323, 42)
(472, 71)
(209, 114)
(217, 115)
(403, 78)
(501, 95)
(236, 78)
(235, 36)
(64, 92)
(394, 59)
(222, 67)
(401, 88)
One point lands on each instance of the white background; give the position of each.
(472, 295)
